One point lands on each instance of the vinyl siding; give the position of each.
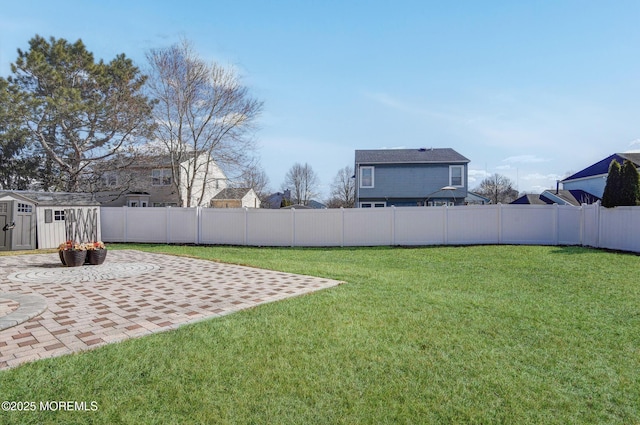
(410, 181)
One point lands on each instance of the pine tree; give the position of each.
(611, 195)
(78, 111)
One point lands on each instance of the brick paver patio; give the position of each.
(132, 294)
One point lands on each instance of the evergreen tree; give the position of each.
(630, 184)
(611, 195)
(18, 163)
(79, 112)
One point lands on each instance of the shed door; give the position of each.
(24, 232)
(6, 212)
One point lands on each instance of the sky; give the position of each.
(532, 90)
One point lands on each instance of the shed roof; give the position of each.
(232, 193)
(409, 156)
(55, 198)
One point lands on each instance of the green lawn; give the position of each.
(487, 334)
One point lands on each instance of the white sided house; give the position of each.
(40, 220)
(149, 182)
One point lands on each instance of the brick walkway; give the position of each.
(132, 294)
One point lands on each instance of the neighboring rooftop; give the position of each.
(602, 167)
(561, 197)
(409, 156)
(232, 193)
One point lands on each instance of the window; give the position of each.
(456, 175)
(25, 208)
(161, 177)
(110, 178)
(366, 177)
(58, 215)
(373, 204)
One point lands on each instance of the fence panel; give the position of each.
(269, 227)
(616, 228)
(222, 226)
(368, 227)
(570, 226)
(146, 225)
(182, 225)
(317, 227)
(473, 224)
(419, 226)
(113, 224)
(529, 224)
(591, 225)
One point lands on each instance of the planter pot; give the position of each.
(96, 256)
(74, 258)
(62, 258)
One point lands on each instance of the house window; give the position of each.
(58, 215)
(161, 177)
(373, 204)
(456, 175)
(110, 178)
(25, 208)
(366, 177)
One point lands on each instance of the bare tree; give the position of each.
(343, 189)
(255, 178)
(498, 188)
(302, 181)
(204, 115)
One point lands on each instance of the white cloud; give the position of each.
(524, 159)
(634, 146)
(504, 167)
(538, 176)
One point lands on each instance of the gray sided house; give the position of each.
(30, 220)
(410, 177)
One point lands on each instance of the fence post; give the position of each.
(293, 227)
(582, 223)
(598, 224)
(445, 224)
(246, 226)
(126, 224)
(499, 223)
(556, 225)
(198, 228)
(342, 224)
(167, 229)
(393, 225)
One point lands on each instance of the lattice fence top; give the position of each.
(81, 225)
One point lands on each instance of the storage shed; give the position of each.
(30, 220)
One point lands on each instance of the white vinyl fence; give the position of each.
(589, 225)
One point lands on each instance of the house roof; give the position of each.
(530, 199)
(563, 197)
(55, 198)
(409, 156)
(232, 193)
(602, 167)
(572, 197)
